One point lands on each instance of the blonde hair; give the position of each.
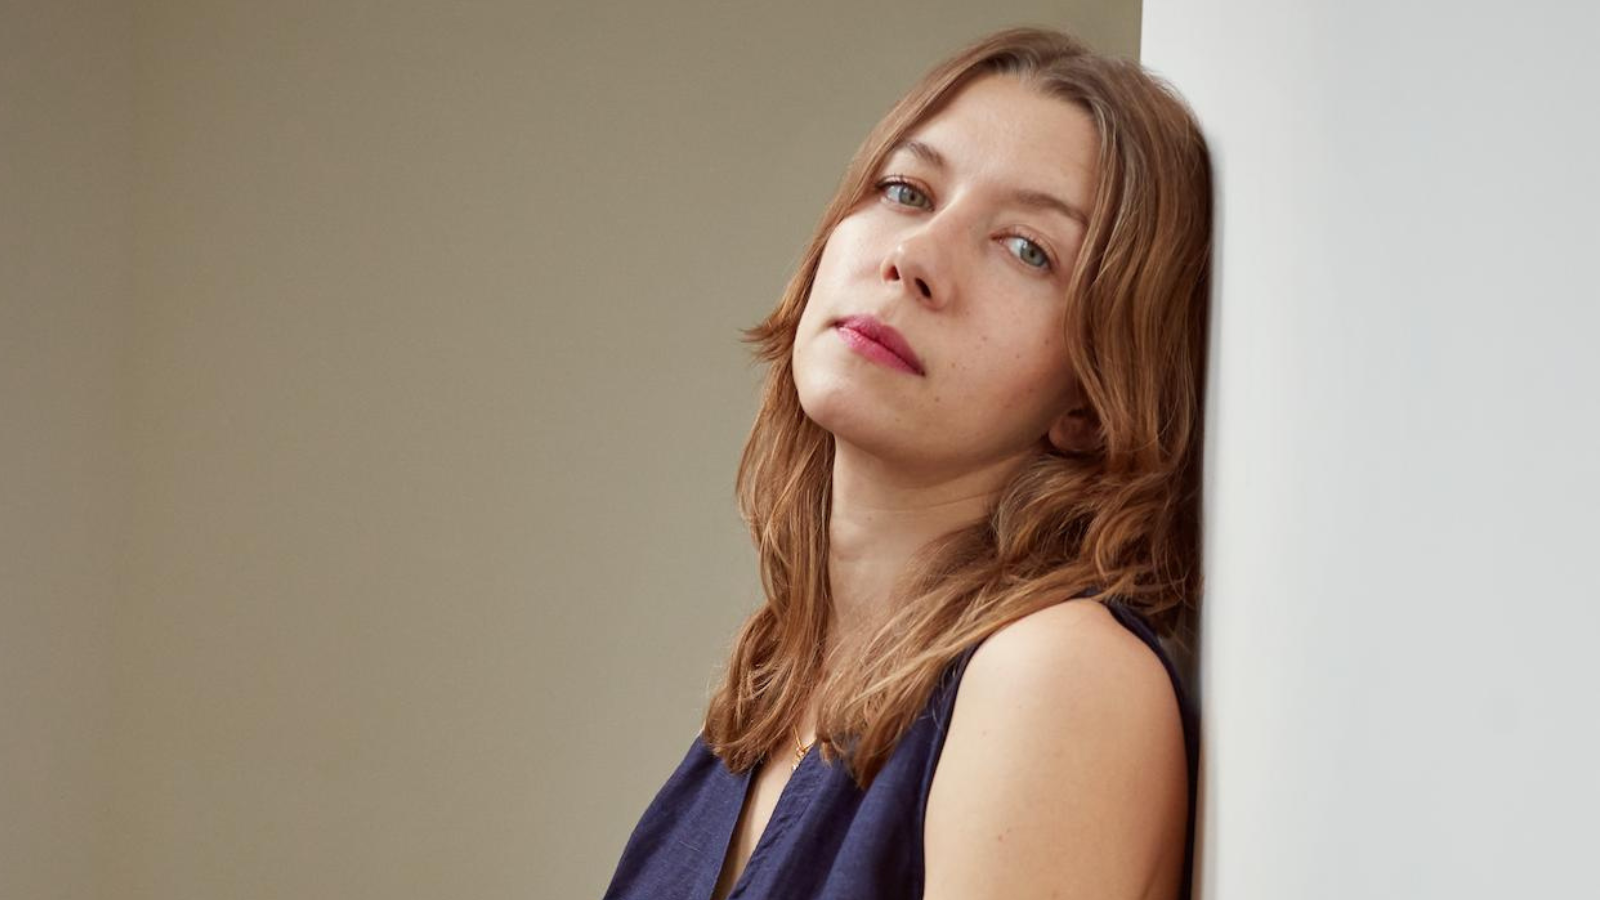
(1121, 519)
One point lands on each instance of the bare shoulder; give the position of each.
(1064, 767)
(1080, 640)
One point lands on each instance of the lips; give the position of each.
(878, 332)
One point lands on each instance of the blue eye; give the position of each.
(1037, 251)
(889, 185)
(898, 190)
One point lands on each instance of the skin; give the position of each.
(1063, 773)
(917, 456)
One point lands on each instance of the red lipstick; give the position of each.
(877, 341)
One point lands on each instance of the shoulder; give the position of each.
(1079, 651)
(1064, 767)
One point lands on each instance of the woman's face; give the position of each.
(967, 260)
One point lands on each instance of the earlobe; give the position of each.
(1075, 431)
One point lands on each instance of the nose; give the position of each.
(898, 267)
(917, 263)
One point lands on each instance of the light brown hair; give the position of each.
(1121, 519)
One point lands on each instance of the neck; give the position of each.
(880, 515)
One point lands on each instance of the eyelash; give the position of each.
(1050, 259)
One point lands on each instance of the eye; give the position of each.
(1033, 251)
(902, 188)
(1034, 256)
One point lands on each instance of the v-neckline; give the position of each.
(769, 831)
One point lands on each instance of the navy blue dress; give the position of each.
(827, 839)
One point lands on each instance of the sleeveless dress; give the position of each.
(827, 839)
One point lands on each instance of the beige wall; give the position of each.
(66, 325)
(373, 399)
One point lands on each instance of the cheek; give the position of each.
(840, 265)
(848, 247)
(1014, 378)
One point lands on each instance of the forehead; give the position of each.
(999, 128)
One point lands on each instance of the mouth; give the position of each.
(878, 342)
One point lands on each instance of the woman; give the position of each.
(976, 466)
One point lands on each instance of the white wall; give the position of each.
(1398, 695)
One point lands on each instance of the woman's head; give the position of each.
(1122, 311)
(965, 244)
(1071, 344)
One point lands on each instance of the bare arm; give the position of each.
(1064, 773)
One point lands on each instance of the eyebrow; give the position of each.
(1023, 196)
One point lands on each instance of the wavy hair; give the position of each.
(1120, 520)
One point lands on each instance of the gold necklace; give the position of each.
(799, 750)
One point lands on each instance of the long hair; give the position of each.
(1120, 520)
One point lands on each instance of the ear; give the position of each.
(1075, 431)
